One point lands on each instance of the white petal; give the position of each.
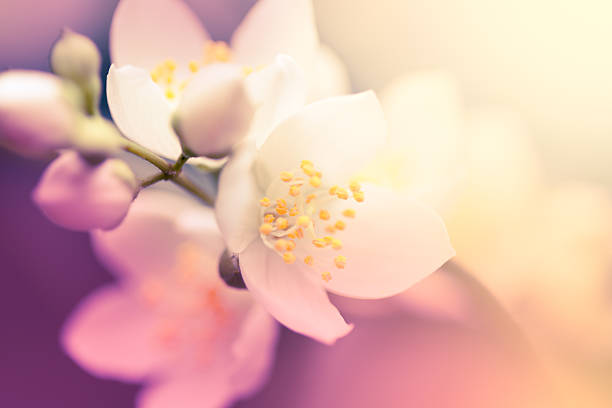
(111, 335)
(147, 241)
(295, 300)
(339, 135)
(329, 76)
(280, 91)
(237, 206)
(144, 33)
(274, 27)
(215, 111)
(425, 126)
(141, 111)
(392, 243)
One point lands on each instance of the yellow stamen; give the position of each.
(315, 181)
(331, 229)
(170, 64)
(288, 257)
(269, 218)
(342, 194)
(324, 215)
(265, 202)
(333, 190)
(281, 202)
(319, 243)
(310, 198)
(309, 260)
(194, 66)
(286, 176)
(247, 70)
(355, 186)
(349, 213)
(294, 211)
(290, 245)
(170, 93)
(336, 244)
(326, 276)
(340, 225)
(303, 221)
(340, 261)
(281, 245)
(294, 190)
(282, 223)
(266, 228)
(358, 196)
(281, 210)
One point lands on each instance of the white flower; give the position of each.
(81, 196)
(170, 321)
(157, 46)
(37, 112)
(302, 224)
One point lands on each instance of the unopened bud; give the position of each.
(96, 136)
(80, 196)
(229, 270)
(215, 112)
(38, 112)
(75, 57)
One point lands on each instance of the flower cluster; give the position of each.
(294, 216)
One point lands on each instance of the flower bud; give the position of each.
(79, 196)
(96, 136)
(37, 112)
(215, 112)
(75, 57)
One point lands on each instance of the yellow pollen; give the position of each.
(358, 196)
(333, 190)
(281, 245)
(288, 257)
(315, 181)
(328, 239)
(294, 191)
(286, 176)
(170, 93)
(269, 218)
(194, 66)
(282, 223)
(281, 202)
(299, 233)
(355, 186)
(331, 229)
(170, 64)
(247, 70)
(183, 85)
(324, 215)
(290, 245)
(265, 202)
(266, 228)
(310, 197)
(309, 260)
(340, 225)
(349, 213)
(294, 211)
(326, 276)
(340, 261)
(281, 210)
(336, 244)
(292, 235)
(303, 221)
(342, 194)
(305, 163)
(319, 243)
(169, 79)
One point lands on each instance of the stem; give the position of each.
(168, 172)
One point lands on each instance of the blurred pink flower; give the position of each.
(273, 196)
(170, 321)
(158, 46)
(81, 196)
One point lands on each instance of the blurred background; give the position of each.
(547, 62)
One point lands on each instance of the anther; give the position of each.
(324, 215)
(355, 186)
(266, 228)
(282, 223)
(303, 221)
(319, 243)
(340, 261)
(309, 260)
(288, 257)
(315, 181)
(342, 194)
(349, 213)
(358, 196)
(336, 244)
(340, 225)
(265, 202)
(294, 190)
(286, 176)
(326, 276)
(281, 245)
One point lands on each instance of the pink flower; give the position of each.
(170, 321)
(158, 46)
(302, 224)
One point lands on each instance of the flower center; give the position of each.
(303, 221)
(215, 52)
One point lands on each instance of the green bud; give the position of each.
(96, 136)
